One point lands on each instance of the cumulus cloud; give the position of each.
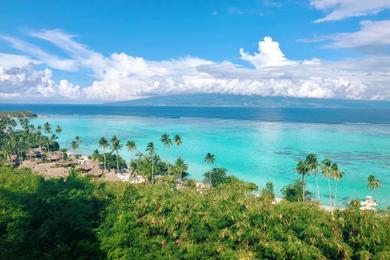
(269, 55)
(25, 82)
(120, 76)
(341, 9)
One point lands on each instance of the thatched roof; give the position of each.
(56, 172)
(55, 156)
(96, 172)
(28, 164)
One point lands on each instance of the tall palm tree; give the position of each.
(131, 146)
(337, 175)
(177, 140)
(103, 143)
(78, 139)
(303, 170)
(312, 163)
(180, 167)
(38, 136)
(326, 171)
(74, 145)
(167, 142)
(209, 159)
(47, 128)
(373, 184)
(58, 130)
(116, 146)
(151, 150)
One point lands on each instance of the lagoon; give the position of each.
(256, 152)
(258, 148)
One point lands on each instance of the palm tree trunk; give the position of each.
(318, 189)
(117, 161)
(104, 159)
(335, 195)
(152, 171)
(330, 194)
(303, 187)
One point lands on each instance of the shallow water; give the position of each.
(251, 150)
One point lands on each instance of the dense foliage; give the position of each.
(85, 218)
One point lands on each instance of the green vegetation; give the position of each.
(17, 114)
(18, 137)
(170, 216)
(85, 218)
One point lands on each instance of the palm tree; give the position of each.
(131, 146)
(303, 169)
(74, 145)
(47, 128)
(180, 167)
(177, 140)
(326, 171)
(373, 184)
(104, 144)
(209, 159)
(312, 163)
(167, 142)
(337, 175)
(58, 130)
(151, 150)
(116, 146)
(38, 136)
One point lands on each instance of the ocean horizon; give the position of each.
(254, 144)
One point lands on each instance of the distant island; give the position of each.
(229, 100)
(17, 114)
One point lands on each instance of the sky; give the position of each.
(105, 51)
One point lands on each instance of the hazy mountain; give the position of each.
(228, 100)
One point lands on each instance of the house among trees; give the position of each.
(55, 156)
(36, 152)
(91, 167)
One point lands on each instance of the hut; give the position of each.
(36, 152)
(91, 168)
(58, 172)
(55, 156)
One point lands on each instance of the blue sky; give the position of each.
(201, 38)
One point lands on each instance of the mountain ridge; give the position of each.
(229, 100)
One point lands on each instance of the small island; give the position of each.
(17, 114)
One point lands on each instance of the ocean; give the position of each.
(253, 144)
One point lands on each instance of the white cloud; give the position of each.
(69, 90)
(8, 61)
(373, 36)
(36, 52)
(80, 54)
(269, 55)
(341, 9)
(25, 81)
(120, 76)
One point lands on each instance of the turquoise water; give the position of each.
(253, 151)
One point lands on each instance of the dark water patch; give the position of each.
(310, 115)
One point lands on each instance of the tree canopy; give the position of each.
(85, 218)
